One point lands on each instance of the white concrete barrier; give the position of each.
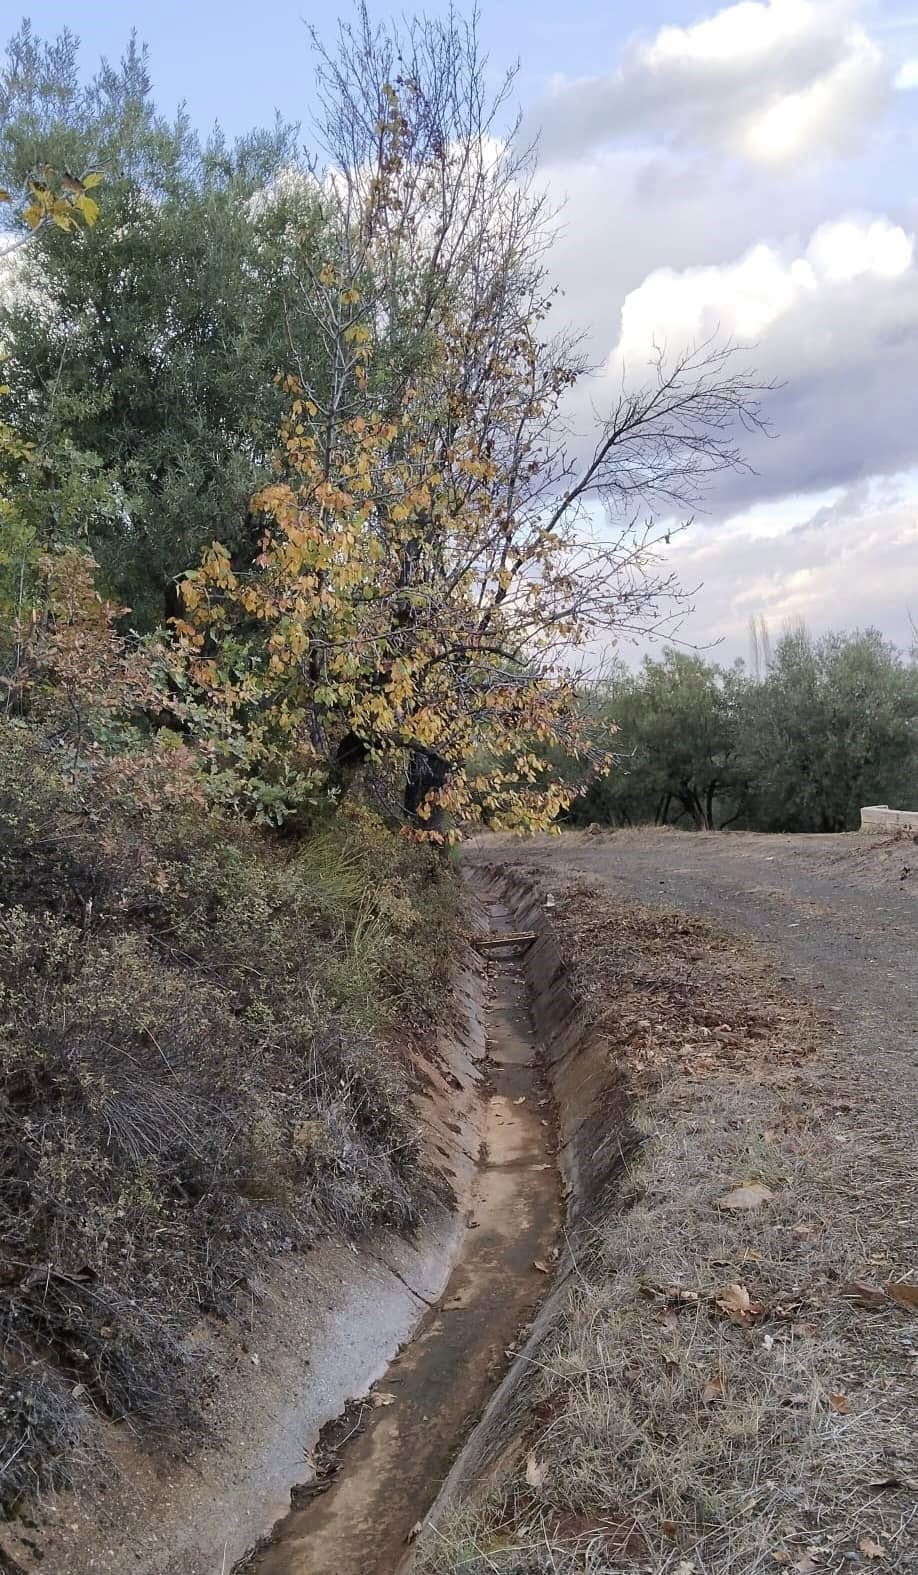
(879, 817)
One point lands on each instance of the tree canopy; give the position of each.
(390, 583)
(826, 726)
(146, 376)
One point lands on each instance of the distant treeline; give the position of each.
(829, 724)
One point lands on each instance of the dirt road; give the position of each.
(839, 913)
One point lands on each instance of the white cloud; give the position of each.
(745, 298)
(772, 82)
(700, 202)
(850, 563)
(907, 76)
(826, 116)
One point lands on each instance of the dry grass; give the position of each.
(675, 1430)
(197, 1071)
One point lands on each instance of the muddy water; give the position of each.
(392, 1467)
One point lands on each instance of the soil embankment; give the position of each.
(839, 914)
(740, 1311)
(323, 1326)
(432, 1322)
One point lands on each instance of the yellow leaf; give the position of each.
(33, 215)
(94, 178)
(89, 209)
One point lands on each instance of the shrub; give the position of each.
(196, 1072)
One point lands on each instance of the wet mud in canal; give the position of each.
(395, 1448)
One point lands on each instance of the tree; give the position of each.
(64, 202)
(430, 556)
(676, 737)
(833, 726)
(151, 364)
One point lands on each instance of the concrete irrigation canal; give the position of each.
(390, 1454)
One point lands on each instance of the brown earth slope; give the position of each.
(733, 1384)
(838, 913)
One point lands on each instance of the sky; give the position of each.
(745, 170)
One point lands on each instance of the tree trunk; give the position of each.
(427, 771)
(692, 805)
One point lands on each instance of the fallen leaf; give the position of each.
(839, 1402)
(382, 1397)
(804, 1228)
(670, 1293)
(415, 1531)
(862, 1294)
(895, 1479)
(542, 1267)
(536, 1472)
(685, 1567)
(750, 1195)
(521, 1100)
(780, 1556)
(713, 1390)
(806, 1565)
(734, 1300)
(903, 1292)
(871, 1549)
